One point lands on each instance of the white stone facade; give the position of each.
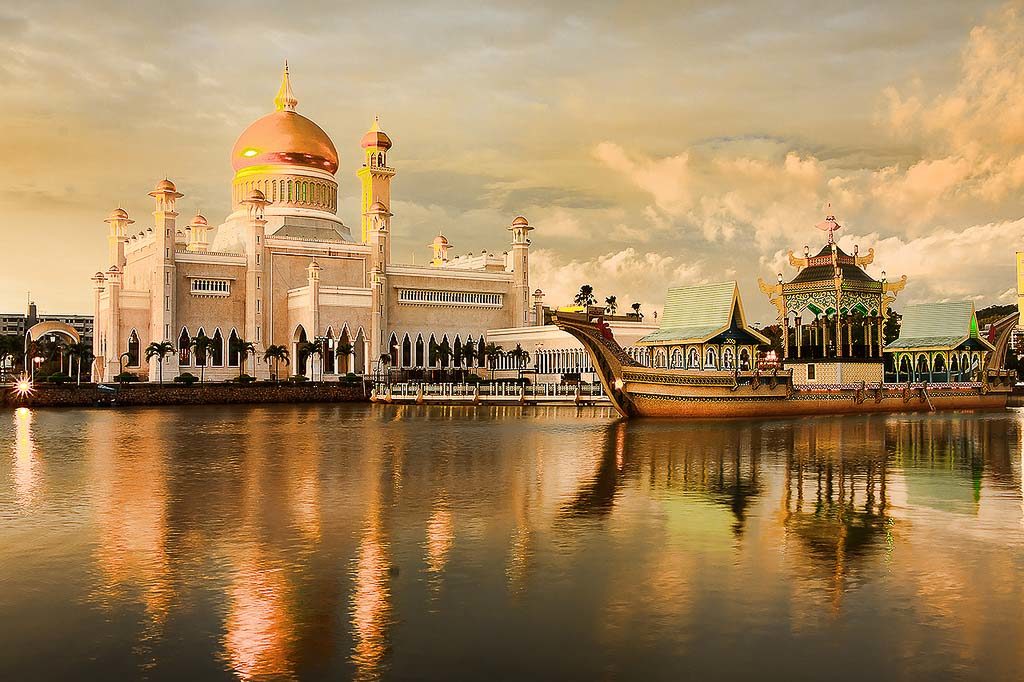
(283, 269)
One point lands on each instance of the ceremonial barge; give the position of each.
(705, 361)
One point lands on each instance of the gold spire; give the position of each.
(285, 100)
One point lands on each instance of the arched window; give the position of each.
(728, 358)
(744, 360)
(217, 349)
(134, 350)
(406, 352)
(233, 354)
(419, 351)
(327, 352)
(184, 345)
(457, 353)
(693, 359)
(289, 190)
(300, 354)
(380, 159)
(711, 358)
(677, 358)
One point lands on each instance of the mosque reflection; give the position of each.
(304, 553)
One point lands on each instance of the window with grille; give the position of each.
(453, 298)
(211, 287)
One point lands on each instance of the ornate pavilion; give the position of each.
(938, 343)
(704, 328)
(832, 313)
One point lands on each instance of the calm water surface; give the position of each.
(387, 542)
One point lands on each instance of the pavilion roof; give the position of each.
(937, 326)
(696, 314)
(820, 271)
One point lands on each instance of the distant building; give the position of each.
(18, 324)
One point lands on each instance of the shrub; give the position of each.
(58, 378)
(474, 379)
(244, 379)
(126, 377)
(297, 378)
(350, 379)
(186, 378)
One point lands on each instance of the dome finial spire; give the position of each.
(285, 100)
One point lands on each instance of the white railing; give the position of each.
(495, 391)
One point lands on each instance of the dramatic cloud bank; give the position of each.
(652, 146)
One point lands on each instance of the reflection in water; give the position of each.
(269, 543)
(26, 478)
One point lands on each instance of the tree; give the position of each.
(200, 346)
(11, 348)
(521, 357)
(891, 326)
(468, 354)
(636, 311)
(159, 350)
(277, 355)
(611, 305)
(82, 353)
(345, 349)
(585, 297)
(307, 350)
(444, 353)
(244, 349)
(492, 352)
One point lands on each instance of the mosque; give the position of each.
(283, 269)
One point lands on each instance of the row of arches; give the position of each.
(433, 353)
(214, 355)
(711, 358)
(293, 191)
(936, 367)
(340, 353)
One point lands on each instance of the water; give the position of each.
(404, 542)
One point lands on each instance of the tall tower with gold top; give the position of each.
(375, 174)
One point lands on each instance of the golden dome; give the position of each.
(441, 240)
(167, 185)
(375, 137)
(118, 214)
(520, 221)
(284, 137)
(378, 207)
(200, 219)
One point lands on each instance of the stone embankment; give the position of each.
(88, 395)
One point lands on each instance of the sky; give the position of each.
(650, 144)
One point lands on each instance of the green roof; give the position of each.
(694, 314)
(937, 325)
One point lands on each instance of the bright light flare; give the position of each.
(23, 388)
(250, 153)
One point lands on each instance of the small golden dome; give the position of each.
(375, 137)
(166, 185)
(378, 207)
(200, 219)
(256, 195)
(441, 240)
(520, 221)
(118, 214)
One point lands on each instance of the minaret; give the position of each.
(255, 254)
(313, 282)
(375, 175)
(520, 229)
(440, 246)
(117, 235)
(98, 334)
(198, 231)
(165, 231)
(112, 347)
(378, 218)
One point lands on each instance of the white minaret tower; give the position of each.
(440, 246)
(165, 195)
(116, 236)
(375, 175)
(255, 256)
(520, 229)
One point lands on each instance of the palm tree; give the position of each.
(82, 353)
(11, 347)
(276, 354)
(244, 349)
(307, 350)
(492, 352)
(636, 311)
(611, 305)
(345, 350)
(159, 350)
(468, 354)
(586, 296)
(201, 345)
(520, 356)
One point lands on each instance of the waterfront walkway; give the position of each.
(498, 393)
